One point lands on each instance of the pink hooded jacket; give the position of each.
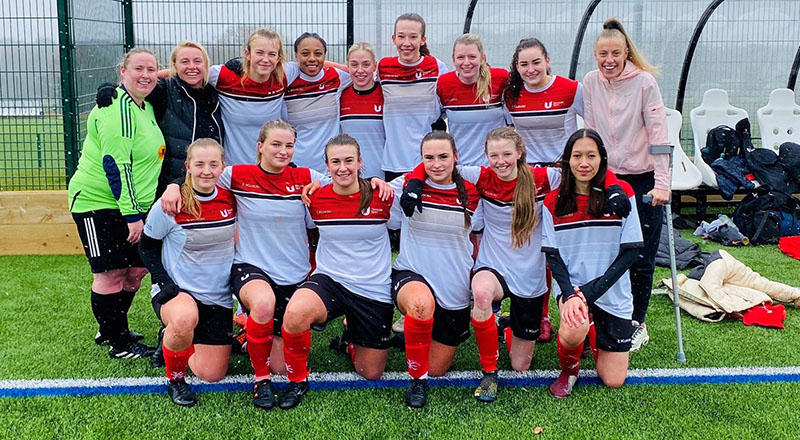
(628, 112)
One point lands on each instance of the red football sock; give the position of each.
(295, 350)
(486, 337)
(176, 362)
(593, 341)
(570, 357)
(259, 346)
(508, 336)
(418, 336)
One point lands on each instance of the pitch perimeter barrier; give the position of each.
(55, 54)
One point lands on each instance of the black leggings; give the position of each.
(651, 219)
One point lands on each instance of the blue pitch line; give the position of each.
(347, 384)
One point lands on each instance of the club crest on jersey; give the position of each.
(289, 187)
(225, 212)
(365, 212)
(378, 108)
(458, 201)
(418, 74)
(321, 86)
(548, 105)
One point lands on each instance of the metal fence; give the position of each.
(54, 55)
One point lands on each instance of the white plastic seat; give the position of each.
(779, 120)
(684, 174)
(715, 110)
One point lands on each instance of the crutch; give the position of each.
(661, 150)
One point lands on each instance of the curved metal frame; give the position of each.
(793, 72)
(576, 48)
(470, 12)
(687, 60)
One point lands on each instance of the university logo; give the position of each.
(321, 86)
(418, 74)
(289, 188)
(378, 108)
(365, 212)
(548, 105)
(226, 212)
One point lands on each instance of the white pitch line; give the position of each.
(743, 372)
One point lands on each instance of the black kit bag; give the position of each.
(721, 141)
(762, 213)
(789, 156)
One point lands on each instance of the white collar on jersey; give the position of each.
(414, 64)
(203, 198)
(542, 89)
(315, 78)
(439, 186)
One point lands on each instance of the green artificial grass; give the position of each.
(47, 328)
(592, 412)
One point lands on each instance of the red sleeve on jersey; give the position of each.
(417, 173)
(541, 180)
(611, 179)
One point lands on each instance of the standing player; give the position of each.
(353, 272)
(312, 100)
(543, 106)
(361, 109)
(430, 280)
(623, 103)
(251, 92)
(110, 194)
(589, 253)
(409, 92)
(189, 257)
(471, 96)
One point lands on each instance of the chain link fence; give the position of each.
(55, 55)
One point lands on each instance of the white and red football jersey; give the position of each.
(435, 243)
(246, 106)
(272, 219)
(354, 246)
(410, 107)
(312, 107)
(588, 245)
(468, 119)
(361, 116)
(197, 253)
(546, 117)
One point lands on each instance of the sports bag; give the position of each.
(721, 141)
(765, 215)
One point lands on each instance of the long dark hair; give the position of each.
(463, 198)
(514, 87)
(566, 202)
(364, 186)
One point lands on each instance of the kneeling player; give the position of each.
(590, 251)
(352, 275)
(190, 257)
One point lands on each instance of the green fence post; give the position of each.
(127, 23)
(69, 99)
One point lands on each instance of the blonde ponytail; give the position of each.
(612, 28)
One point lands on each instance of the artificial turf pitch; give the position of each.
(46, 332)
